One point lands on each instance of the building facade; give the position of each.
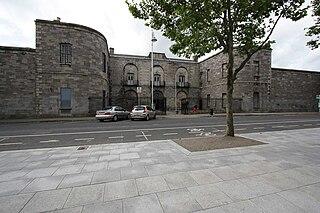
(73, 72)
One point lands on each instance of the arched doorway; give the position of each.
(182, 102)
(159, 101)
(130, 99)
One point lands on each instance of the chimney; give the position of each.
(58, 19)
(111, 50)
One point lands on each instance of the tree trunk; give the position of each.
(229, 107)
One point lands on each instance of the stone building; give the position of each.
(73, 72)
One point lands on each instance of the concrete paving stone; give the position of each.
(301, 176)
(236, 190)
(204, 176)
(14, 203)
(133, 172)
(76, 180)
(105, 176)
(77, 209)
(227, 173)
(80, 154)
(209, 196)
(71, 169)
(149, 154)
(248, 168)
(142, 162)
(203, 163)
(310, 170)
(302, 199)
(93, 167)
(129, 156)
(119, 164)
(47, 201)
(120, 189)
(84, 195)
(12, 175)
(99, 153)
(160, 169)
(313, 190)
(64, 162)
(59, 156)
(179, 157)
(109, 157)
(274, 203)
(45, 183)
(110, 207)
(81, 160)
(179, 180)
(43, 172)
(118, 151)
(37, 158)
(162, 159)
(142, 204)
(239, 207)
(259, 185)
(10, 166)
(38, 164)
(153, 184)
(178, 201)
(13, 187)
(281, 180)
(135, 149)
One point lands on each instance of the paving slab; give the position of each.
(119, 164)
(76, 180)
(43, 172)
(142, 204)
(204, 176)
(41, 184)
(92, 167)
(71, 169)
(179, 200)
(13, 187)
(110, 207)
(69, 210)
(133, 172)
(120, 189)
(84, 195)
(14, 203)
(153, 184)
(179, 180)
(47, 201)
(105, 176)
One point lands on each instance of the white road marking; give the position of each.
(143, 135)
(50, 141)
(241, 129)
(84, 139)
(8, 144)
(307, 124)
(258, 128)
(277, 126)
(173, 133)
(116, 137)
(2, 139)
(293, 126)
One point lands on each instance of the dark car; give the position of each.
(113, 113)
(143, 112)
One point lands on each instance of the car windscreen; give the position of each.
(107, 108)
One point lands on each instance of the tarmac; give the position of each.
(160, 176)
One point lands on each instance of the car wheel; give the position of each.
(115, 118)
(155, 115)
(132, 119)
(101, 120)
(147, 118)
(128, 117)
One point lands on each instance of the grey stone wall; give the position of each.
(17, 80)
(84, 76)
(254, 78)
(294, 90)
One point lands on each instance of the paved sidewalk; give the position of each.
(160, 176)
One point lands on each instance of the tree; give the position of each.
(200, 26)
(315, 29)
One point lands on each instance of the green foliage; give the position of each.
(314, 31)
(199, 26)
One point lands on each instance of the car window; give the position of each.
(139, 108)
(149, 108)
(118, 109)
(108, 108)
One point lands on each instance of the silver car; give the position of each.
(143, 112)
(113, 113)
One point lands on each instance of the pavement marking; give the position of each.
(2, 139)
(84, 139)
(293, 126)
(172, 133)
(307, 124)
(259, 128)
(241, 129)
(50, 141)
(143, 135)
(277, 126)
(8, 144)
(116, 137)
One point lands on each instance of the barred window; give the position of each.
(104, 64)
(65, 53)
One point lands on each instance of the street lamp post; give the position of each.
(153, 39)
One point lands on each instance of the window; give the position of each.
(224, 100)
(156, 79)
(65, 98)
(256, 68)
(208, 101)
(103, 99)
(104, 62)
(181, 80)
(130, 78)
(208, 77)
(256, 100)
(65, 53)
(224, 70)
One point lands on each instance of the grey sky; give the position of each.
(128, 35)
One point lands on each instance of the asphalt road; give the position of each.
(17, 136)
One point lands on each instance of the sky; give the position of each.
(128, 35)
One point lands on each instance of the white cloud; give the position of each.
(130, 36)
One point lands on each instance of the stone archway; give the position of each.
(130, 99)
(159, 101)
(182, 102)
